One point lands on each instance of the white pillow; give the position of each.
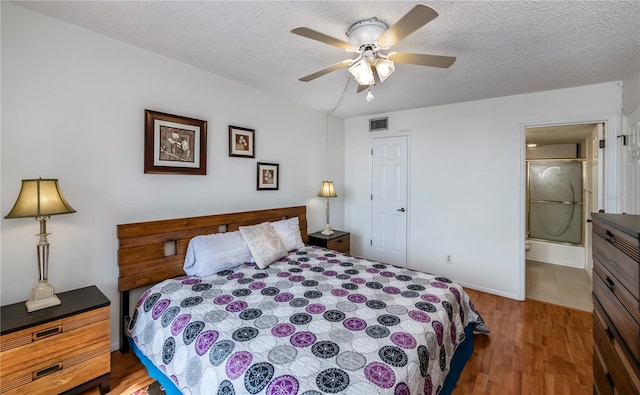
(209, 254)
(264, 244)
(289, 232)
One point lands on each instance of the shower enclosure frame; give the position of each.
(581, 203)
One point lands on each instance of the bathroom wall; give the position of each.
(553, 151)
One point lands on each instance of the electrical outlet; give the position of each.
(449, 260)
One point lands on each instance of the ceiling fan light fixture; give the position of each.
(384, 68)
(366, 32)
(368, 37)
(361, 71)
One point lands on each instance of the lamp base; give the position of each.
(327, 230)
(42, 296)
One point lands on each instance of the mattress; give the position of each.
(313, 322)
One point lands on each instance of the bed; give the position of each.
(314, 321)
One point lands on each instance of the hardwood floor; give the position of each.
(127, 375)
(533, 348)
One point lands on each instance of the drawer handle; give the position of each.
(610, 380)
(609, 237)
(46, 371)
(609, 333)
(339, 241)
(47, 332)
(610, 284)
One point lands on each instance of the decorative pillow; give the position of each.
(289, 232)
(264, 244)
(209, 254)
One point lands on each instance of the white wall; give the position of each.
(631, 94)
(73, 105)
(467, 181)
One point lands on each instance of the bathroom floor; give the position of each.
(562, 285)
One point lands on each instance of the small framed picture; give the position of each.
(174, 144)
(268, 176)
(241, 142)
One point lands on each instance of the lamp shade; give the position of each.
(327, 190)
(361, 71)
(384, 68)
(40, 198)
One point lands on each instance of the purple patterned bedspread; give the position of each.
(314, 322)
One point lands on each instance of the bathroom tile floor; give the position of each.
(561, 285)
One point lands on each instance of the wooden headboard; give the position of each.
(149, 252)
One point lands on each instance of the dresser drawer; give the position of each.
(341, 244)
(620, 253)
(607, 294)
(617, 370)
(68, 373)
(53, 349)
(57, 355)
(602, 383)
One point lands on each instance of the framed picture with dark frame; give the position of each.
(174, 144)
(268, 176)
(242, 142)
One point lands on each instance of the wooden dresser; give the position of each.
(60, 349)
(616, 304)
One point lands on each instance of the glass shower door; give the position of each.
(555, 200)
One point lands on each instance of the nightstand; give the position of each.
(60, 349)
(338, 241)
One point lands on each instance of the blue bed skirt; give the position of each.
(155, 373)
(460, 358)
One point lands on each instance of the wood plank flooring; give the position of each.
(533, 348)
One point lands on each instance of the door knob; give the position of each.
(402, 210)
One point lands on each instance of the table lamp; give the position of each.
(327, 191)
(41, 198)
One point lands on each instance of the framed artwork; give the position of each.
(241, 142)
(268, 176)
(174, 144)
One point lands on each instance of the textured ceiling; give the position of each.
(502, 47)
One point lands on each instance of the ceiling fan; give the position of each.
(368, 38)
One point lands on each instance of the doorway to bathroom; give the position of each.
(564, 176)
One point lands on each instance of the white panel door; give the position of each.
(598, 170)
(592, 191)
(389, 200)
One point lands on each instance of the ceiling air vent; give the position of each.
(379, 124)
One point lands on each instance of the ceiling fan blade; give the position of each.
(362, 88)
(419, 16)
(326, 70)
(323, 38)
(422, 59)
